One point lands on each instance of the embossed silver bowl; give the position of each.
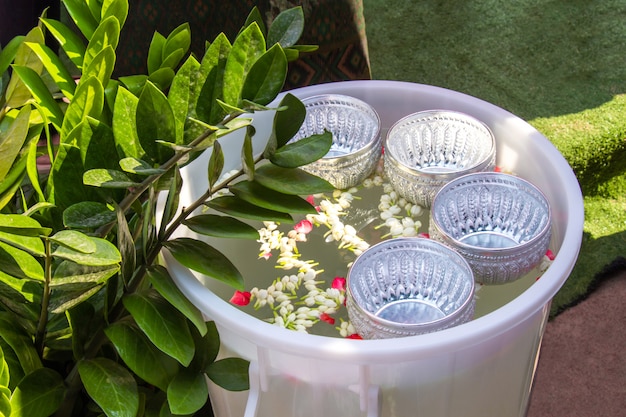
(357, 143)
(500, 223)
(425, 150)
(407, 286)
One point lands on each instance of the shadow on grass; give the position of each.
(534, 58)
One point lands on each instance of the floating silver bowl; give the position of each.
(425, 150)
(407, 286)
(500, 223)
(357, 144)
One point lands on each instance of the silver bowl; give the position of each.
(357, 144)
(500, 223)
(408, 286)
(425, 150)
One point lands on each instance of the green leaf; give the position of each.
(155, 120)
(60, 75)
(287, 122)
(124, 125)
(255, 17)
(101, 66)
(239, 208)
(162, 78)
(74, 276)
(172, 60)
(178, 40)
(41, 93)
(17, 93)
(163, 283)
(11, 183)
(230, 374)
(287, 28)
(221, 226)
(183, 95)
(23, 233)
(12, 140)
(247, 48)
(82, 17)
(303, 151)
(8, 53)
(216, 164)
(87, 215)
(111, 386)
(255, 193)
(71, 43)
(148, 362)
(139, 167)
(74, 240)
(126, 245)
(172, 199)
(105, 254)
(187, 392)
(88, 101)
(117, 8)
(212, 69)
(39, 394)
(201, 257)
(19, 263)
(155, 52)
(266, 77)
(107, 178)
(107, 34)
(247, 157)
(207, 347)
(21, 343)
(63, 301)
(291, 180)
(162, 324)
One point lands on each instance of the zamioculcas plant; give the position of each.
(90, 322)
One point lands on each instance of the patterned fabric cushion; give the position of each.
(336, 26)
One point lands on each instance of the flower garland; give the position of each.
(299, 300)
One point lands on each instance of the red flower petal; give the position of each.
(240, 298)
(497, 169)
(304, 226)
(354, 336)
(339, 283)
(424, 235)
(328, 319)
(550, 255)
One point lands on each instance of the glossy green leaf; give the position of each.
(148, 362)
(212, 70)
(287, 28)
(139, 167)
(69, 40)
(155, 52)
(187, 392)
(101, 66)
(230, 374)
(5, 375)
(303, 151)
(12, 140)
(266, 77)
(17, 92)
(178, 39)
(247, 48)
(201, 257)
(107, 34)
(63, 301)
(82, 17)
(5, 403)
(172, 60)
(111, 386)
(23, 233)
(291, 180)
(69, 274)
(8, 52)
(221, 226)
(39, 394)
(21, 291)
(155, 120)
(287, 122)
(87, 215)
(104, 254)
(239, 208)
(117, 8)
(21, 343)
(19, 263)
(11, 183)
(255, 17)
(216, 164)
(124, 125)
(74, 240)
(165, 326)
(126, 245)
(60, 75)
(33, 174)
(108, 178)
(88, 101)
(162, 78)
(41, 93)
(183, 95)
(172, 199)
(255, 193)
(163, 283)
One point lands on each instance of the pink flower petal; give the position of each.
(354, 336)
(550, 255)
(424, 235)
(304, 226)
(339, 283)
(328, 319)
(497, 169)
(241, 298)
(311, 200)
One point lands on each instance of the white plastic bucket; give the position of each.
(479, 369)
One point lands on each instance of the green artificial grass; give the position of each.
(557, 64)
